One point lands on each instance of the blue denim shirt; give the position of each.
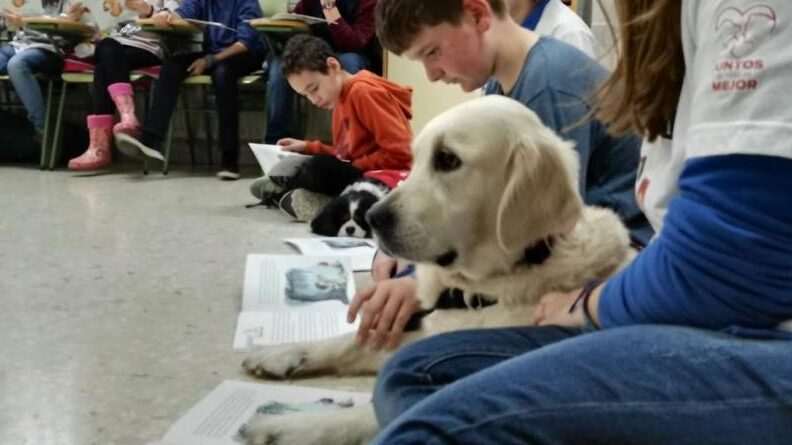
(557, 82)
(232, 13)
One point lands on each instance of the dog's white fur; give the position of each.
(516, 186)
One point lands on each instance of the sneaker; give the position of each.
(287, 205)
(132, 147)
(266, 191)
(228, 175)
(303, 205)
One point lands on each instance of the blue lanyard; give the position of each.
(536, 14)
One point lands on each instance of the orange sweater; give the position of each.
(371, 124)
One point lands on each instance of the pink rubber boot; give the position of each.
(123, 96)
(100, 127)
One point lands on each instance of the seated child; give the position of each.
(229, 52)
(30, 53)
(127, 48)
(371, 130)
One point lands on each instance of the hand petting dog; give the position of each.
(385, 310)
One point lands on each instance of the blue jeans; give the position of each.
(280, 96)
(633, 385)
(22, 68)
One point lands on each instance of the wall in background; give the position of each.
(429, 99)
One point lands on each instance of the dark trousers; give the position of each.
(114, 62)
(225, 78)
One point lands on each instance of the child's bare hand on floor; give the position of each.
(385, 309)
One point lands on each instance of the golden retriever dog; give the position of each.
(491, 207)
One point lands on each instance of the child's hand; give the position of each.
(162, 19)
(198, 67)
(386, 308)
(75, 11)
(14, 20)
(383, 267)
(140, 6)
(290, 144)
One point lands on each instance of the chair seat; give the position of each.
(72, 65)
(77, 77)
(251, 79)
(151, 71)
(198, 80)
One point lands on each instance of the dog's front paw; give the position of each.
(278, 430)
(279, 362)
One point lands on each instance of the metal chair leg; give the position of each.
(208, 127)
(188, 126)
(47, 128)
(168, 146)
(56, 142)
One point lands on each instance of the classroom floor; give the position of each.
(118, 300)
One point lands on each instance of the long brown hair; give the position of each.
(643, 92)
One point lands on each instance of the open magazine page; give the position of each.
(217, 418)
(109, 13)
(360, 251)
(289, 298)
(268, 155)
(27, 8)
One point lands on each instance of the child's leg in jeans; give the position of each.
(6, 53)
(22, 69)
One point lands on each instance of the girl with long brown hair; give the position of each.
(687, 344)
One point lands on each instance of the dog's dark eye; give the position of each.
(445, 160)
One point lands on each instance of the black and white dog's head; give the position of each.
(346, 214)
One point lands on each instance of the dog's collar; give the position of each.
(539, 252)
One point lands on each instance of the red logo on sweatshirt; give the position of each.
(741, 32)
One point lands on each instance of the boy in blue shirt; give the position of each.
(227, 55)
(474, 43)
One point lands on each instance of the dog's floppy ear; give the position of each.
(541, 196)
(330, 218)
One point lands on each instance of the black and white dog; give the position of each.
(345, 215)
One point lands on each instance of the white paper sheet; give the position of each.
(289, 298)
(216, 419)
(307, 19)
(360, 251)
(268, 155)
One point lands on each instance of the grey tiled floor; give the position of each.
(118, 299)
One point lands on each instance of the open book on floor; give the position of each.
(268, 155)
(293, 298)
(217, 418)
(360, 251)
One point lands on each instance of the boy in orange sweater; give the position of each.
(371, 130)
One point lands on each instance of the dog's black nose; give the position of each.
(381, 219)
(350, 230)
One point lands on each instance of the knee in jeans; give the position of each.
(18, 66)
(405, 369)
